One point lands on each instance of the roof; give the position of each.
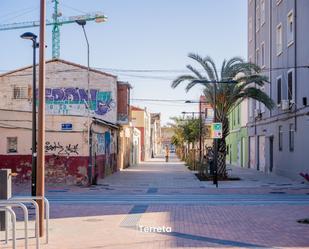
(62, 61)
(134, 108)
(125, 83)
(104, 122)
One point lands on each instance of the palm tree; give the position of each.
(236, 81)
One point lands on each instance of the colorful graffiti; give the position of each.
(58, 149)
(74, 101)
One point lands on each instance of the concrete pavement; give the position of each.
(251, 213)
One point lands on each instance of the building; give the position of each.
(76, 147)
(141, 120)
(237, 140)
(167, 133)
(278, 42)
(155, 138)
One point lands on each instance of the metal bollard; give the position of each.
(25, 211)
(13, 219)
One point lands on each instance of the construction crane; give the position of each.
(56, 22)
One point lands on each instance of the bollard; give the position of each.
(5, 192)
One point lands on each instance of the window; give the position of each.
(290, 28)
(262, 12)
(250, 107)
(280, 137)
(279, 39)
(279, 86)
(11, 144)
(257, 56)
(278, 1)
(291, 137)
(257, 17)
(250, 29)
(20, 92)
(238, 114)
(290, 85)
(263, 54)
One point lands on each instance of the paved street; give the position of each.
(251, 213)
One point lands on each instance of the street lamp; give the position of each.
(83, 23)
(33, 38)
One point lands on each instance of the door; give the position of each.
(261, 156)
(238, 153)
(252, 161)
(271, 153)
(243, 152)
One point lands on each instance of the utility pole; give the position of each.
(41, 119)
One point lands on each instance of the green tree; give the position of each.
(236, 81)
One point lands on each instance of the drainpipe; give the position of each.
(295, 64)
(270, 52)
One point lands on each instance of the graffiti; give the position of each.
(74, 101)
(101, 143)
(58, 149)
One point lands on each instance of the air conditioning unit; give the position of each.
(257, 112)
(285, 104)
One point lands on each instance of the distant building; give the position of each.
(167, 133)
(278, 42)
(141, 120)
(155, 137)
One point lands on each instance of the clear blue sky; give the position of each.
(139, 34)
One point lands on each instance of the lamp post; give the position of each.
(83, 23)
(35, 45)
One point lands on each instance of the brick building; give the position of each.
(67, 143)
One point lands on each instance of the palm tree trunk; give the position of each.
(222, 149)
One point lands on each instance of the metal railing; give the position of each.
(13, 219)
(25, 211)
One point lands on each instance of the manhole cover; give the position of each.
(277, 192)
(304, 221)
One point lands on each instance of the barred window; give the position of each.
(11, 144)
(20, 92)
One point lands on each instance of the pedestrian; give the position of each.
(167, 153)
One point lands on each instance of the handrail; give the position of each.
(13, 219)
(25, 210)
(47, 209)
(37, 217)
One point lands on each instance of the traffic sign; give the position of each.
(216, 130)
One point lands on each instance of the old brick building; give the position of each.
(67, 142)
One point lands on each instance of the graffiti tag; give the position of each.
(57, 148)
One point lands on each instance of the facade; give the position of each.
(278, 42)
(72, 149)
(141, 120)
(156, 147)
(167, 133)
(237, 140)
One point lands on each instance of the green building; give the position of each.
(237, 141)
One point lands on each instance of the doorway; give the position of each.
(271, 153)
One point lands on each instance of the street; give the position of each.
(156, 194)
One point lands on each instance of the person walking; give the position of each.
(167, 153)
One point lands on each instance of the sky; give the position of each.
(144, 42)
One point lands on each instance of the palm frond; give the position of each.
(204, 64)
(181, 79)
(195, 71)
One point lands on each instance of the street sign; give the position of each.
(66, 127)
(216, 130)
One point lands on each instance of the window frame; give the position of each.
(280, 138)
(257, 17)
(293, 85)
(291, 137)
(263, 55)
(277, 97)
(257, 56)
(290, 35)
(263, 12)
(279, 51)
(8, 147)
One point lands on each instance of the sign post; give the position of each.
(216, 130)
